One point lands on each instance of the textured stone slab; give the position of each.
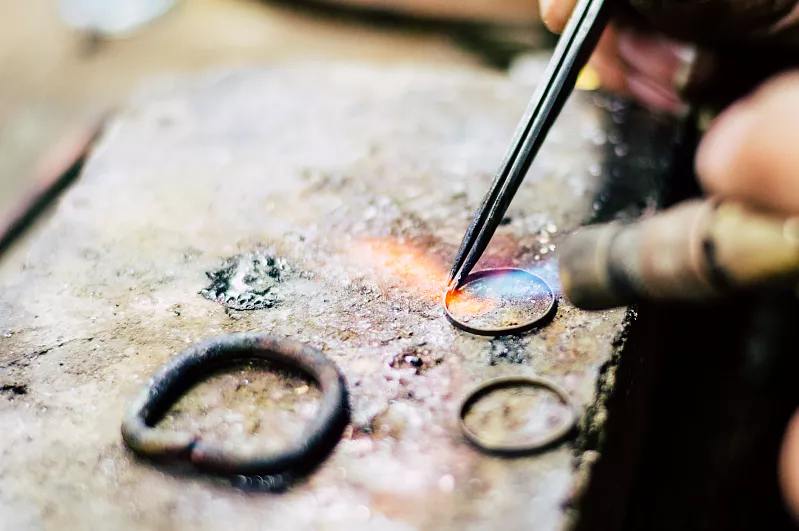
(363, 180)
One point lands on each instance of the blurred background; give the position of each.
(63, 61)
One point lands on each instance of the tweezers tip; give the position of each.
(455, 282)
(453, 274)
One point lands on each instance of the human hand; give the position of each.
(668, 52)
(751, 152)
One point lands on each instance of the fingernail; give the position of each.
(718, 151)
(544, 9)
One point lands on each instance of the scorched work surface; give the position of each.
(324, 204)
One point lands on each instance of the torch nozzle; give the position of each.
(698, 250)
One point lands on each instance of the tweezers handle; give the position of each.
(572, 52)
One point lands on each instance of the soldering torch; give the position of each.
(697, 250)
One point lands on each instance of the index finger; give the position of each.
(750, 152)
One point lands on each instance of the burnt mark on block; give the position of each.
(507, 349)
(12, 390)
(417, 357)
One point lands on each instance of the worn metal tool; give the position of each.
(575, 46)
(697, 250)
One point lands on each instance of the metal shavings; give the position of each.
(247, 281)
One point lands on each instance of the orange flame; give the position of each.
(417, 271)
(462, 303)
(408, 264)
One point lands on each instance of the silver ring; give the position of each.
(518, 449)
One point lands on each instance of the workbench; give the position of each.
(360, 181)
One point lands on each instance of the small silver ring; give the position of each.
(517, 449)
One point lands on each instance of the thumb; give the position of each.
(555, 13)
(751, 152)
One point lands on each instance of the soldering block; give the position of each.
(361, 180)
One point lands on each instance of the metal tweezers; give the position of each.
(575, 46)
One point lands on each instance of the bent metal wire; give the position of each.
(187, 368)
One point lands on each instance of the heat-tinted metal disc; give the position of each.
(496, 302)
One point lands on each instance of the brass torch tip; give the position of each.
(584, 268)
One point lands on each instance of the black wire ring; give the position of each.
(184, 370)
(517, 449)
